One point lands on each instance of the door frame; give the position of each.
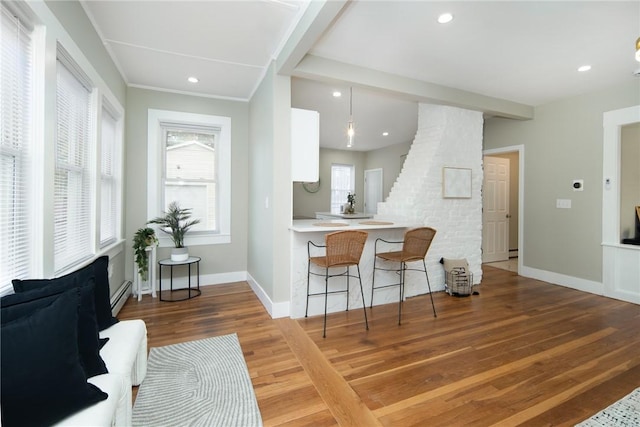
(364, 199)
(520, 150)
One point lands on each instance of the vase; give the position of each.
(179, 254)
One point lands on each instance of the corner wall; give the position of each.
(446, 137)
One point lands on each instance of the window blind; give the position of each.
(342, 183)
(108, 183)
(16, 76)
(72, 181)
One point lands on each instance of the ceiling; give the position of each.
(519, 54)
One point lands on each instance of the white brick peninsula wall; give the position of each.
(446, 137)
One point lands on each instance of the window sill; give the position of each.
(207, 239)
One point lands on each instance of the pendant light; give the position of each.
(350, 130)
(638, 49)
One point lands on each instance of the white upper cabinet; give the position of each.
(305, 145)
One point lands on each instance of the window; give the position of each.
(72, 182)
(109, 185)
(342, 183)
(16, 145)
(190, 162)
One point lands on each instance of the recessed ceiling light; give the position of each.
(193, 79)
(337, 94)
(445, 18)
(385, 133)
(584, 68)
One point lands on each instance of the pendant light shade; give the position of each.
(350, 130)
(638, 49)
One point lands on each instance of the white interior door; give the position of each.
(372, 190)
(495, 210)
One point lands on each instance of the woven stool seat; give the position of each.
(342, 249)
(415, 245)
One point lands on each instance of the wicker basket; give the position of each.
(459, 282)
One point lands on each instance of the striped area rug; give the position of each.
(623, 413)
(197, 383)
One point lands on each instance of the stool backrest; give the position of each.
(345, 247)
(417, 242)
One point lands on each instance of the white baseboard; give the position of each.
(181, 282)
(275, 310)
(563, 280)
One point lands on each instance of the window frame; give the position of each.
(81, 221)
(26, 246)
(335, 205)
(116, 174)
(157, 121)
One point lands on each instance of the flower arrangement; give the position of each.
(351, 201)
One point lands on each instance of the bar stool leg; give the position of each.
(347, 288)
(373, 280)
(401, 291)
(364, 307)
(429, 286)
(326, 297)
(306, 310)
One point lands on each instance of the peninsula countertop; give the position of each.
(315, 225)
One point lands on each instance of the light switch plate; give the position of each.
(563, 203)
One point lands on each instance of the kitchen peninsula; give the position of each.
(314, 230)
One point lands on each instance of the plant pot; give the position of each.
(179, 254)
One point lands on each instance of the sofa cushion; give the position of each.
(96, 272)
(114, 411)
(22, 304)
(126, 351)
(42, 380)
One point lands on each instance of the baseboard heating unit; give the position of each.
(120, 297)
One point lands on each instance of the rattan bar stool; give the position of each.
(414, 248)
(342, 249)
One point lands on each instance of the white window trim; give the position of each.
(156, 118)
(351, 184)
(117, 113)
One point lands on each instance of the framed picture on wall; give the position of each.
(456, 183)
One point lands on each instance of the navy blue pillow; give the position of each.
(19, 305)
(96, 272)
(42, 381)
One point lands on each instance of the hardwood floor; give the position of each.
(523, 352)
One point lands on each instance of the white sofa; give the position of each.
(125, 355)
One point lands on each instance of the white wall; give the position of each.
(269, 209)
(219, 262)
(446, 137)
(563, 142)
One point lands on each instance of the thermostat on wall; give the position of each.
(578, 185)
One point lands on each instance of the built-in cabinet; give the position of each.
(305, 145)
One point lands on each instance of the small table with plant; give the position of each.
(190, 292)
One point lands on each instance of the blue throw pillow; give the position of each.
(42, 381)
(19, 305)
(96, 272)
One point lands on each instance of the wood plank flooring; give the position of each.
(523, 352)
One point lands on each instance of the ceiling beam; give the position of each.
(317, 18)
(322, 69)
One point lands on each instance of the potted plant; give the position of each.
(176, 221)
(351, 200)
(143, 238)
